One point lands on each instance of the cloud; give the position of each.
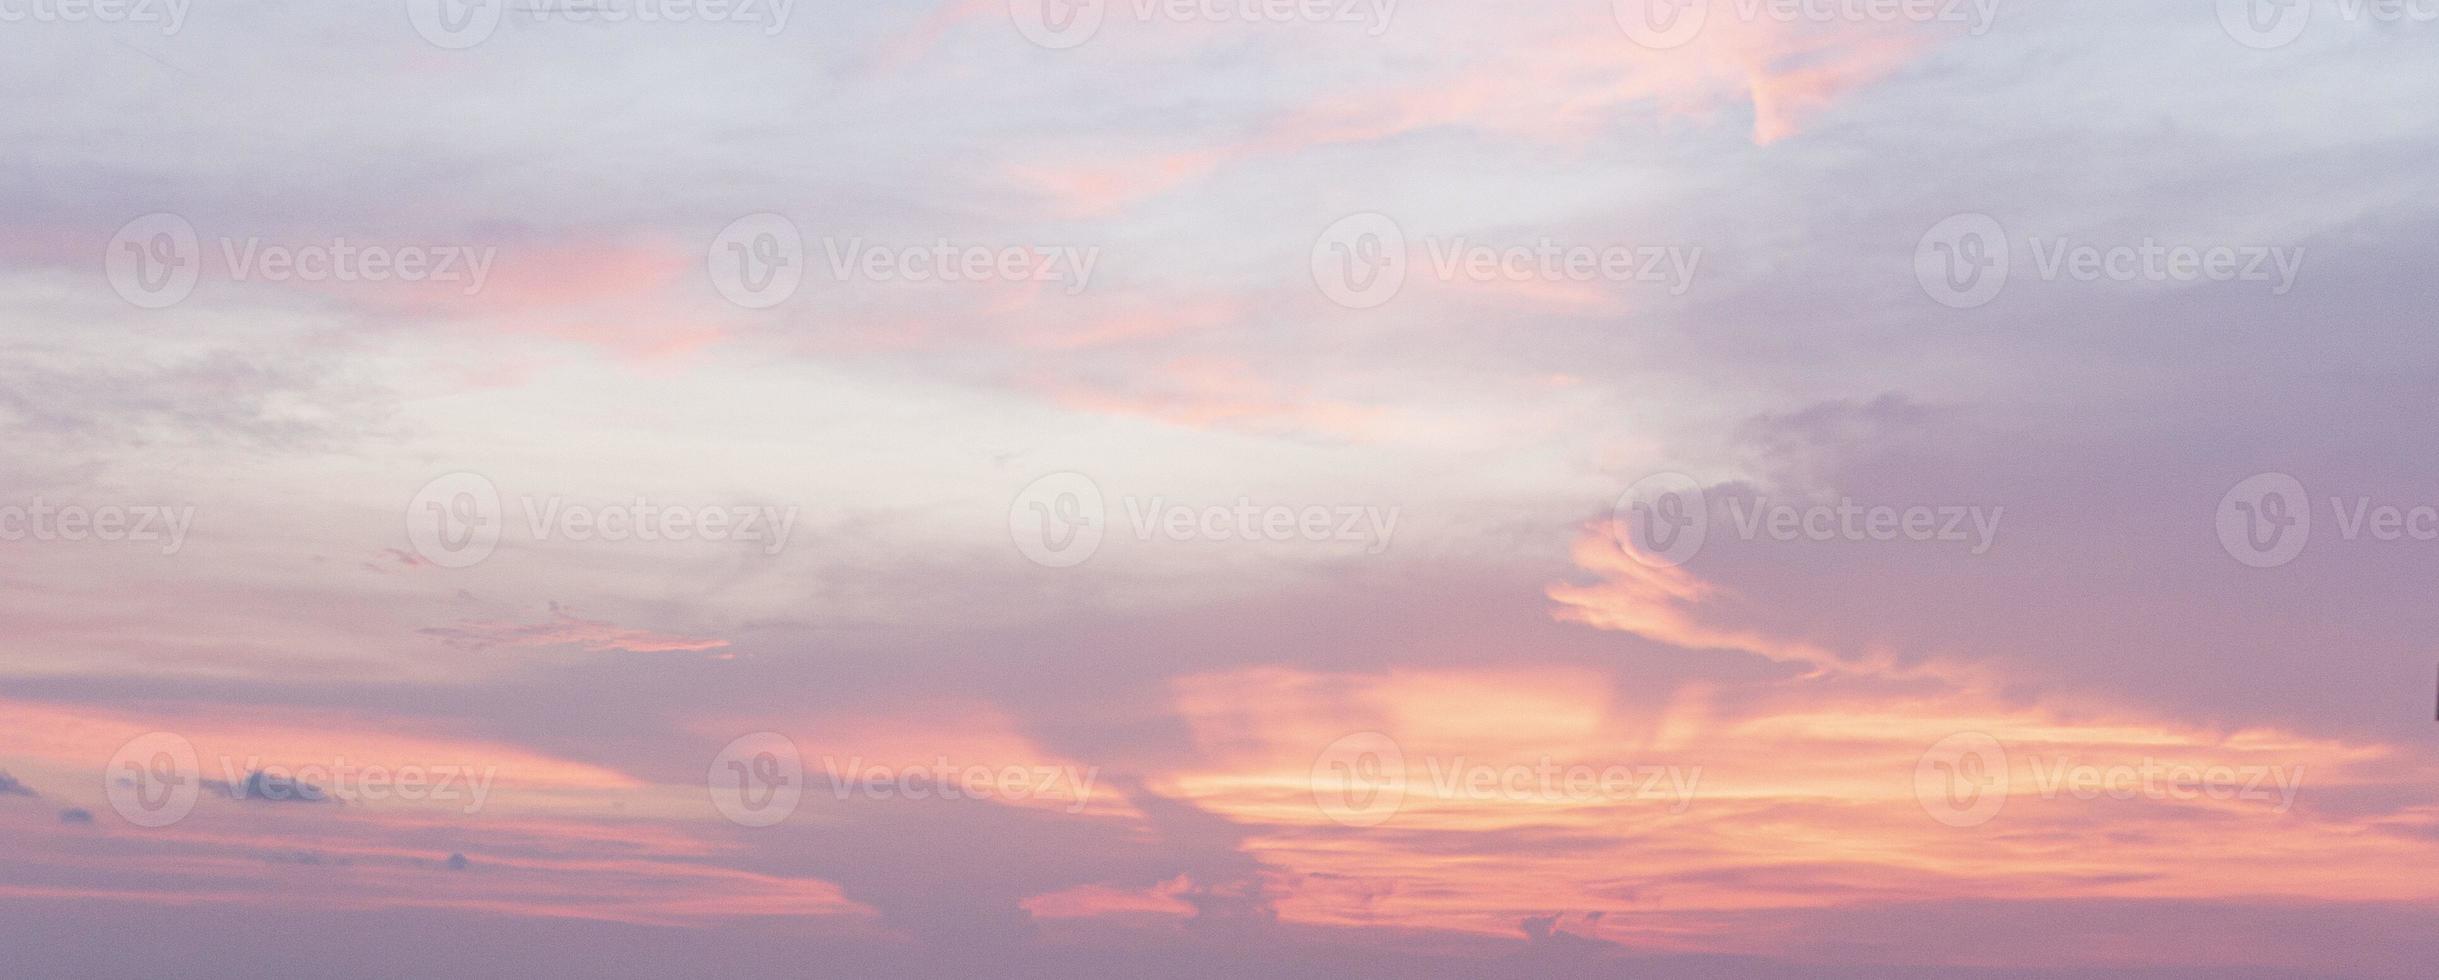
(235, 398)
(9, 786)
(565, 629)
(268, 787)
(1805, 680)
(397, 558)
(1543, 932)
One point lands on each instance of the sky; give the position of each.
(1115, 488)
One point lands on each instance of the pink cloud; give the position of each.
(564, 629)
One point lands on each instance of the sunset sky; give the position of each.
(1219, 488)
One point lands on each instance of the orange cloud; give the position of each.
(1654, 599)
(1482, 803)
